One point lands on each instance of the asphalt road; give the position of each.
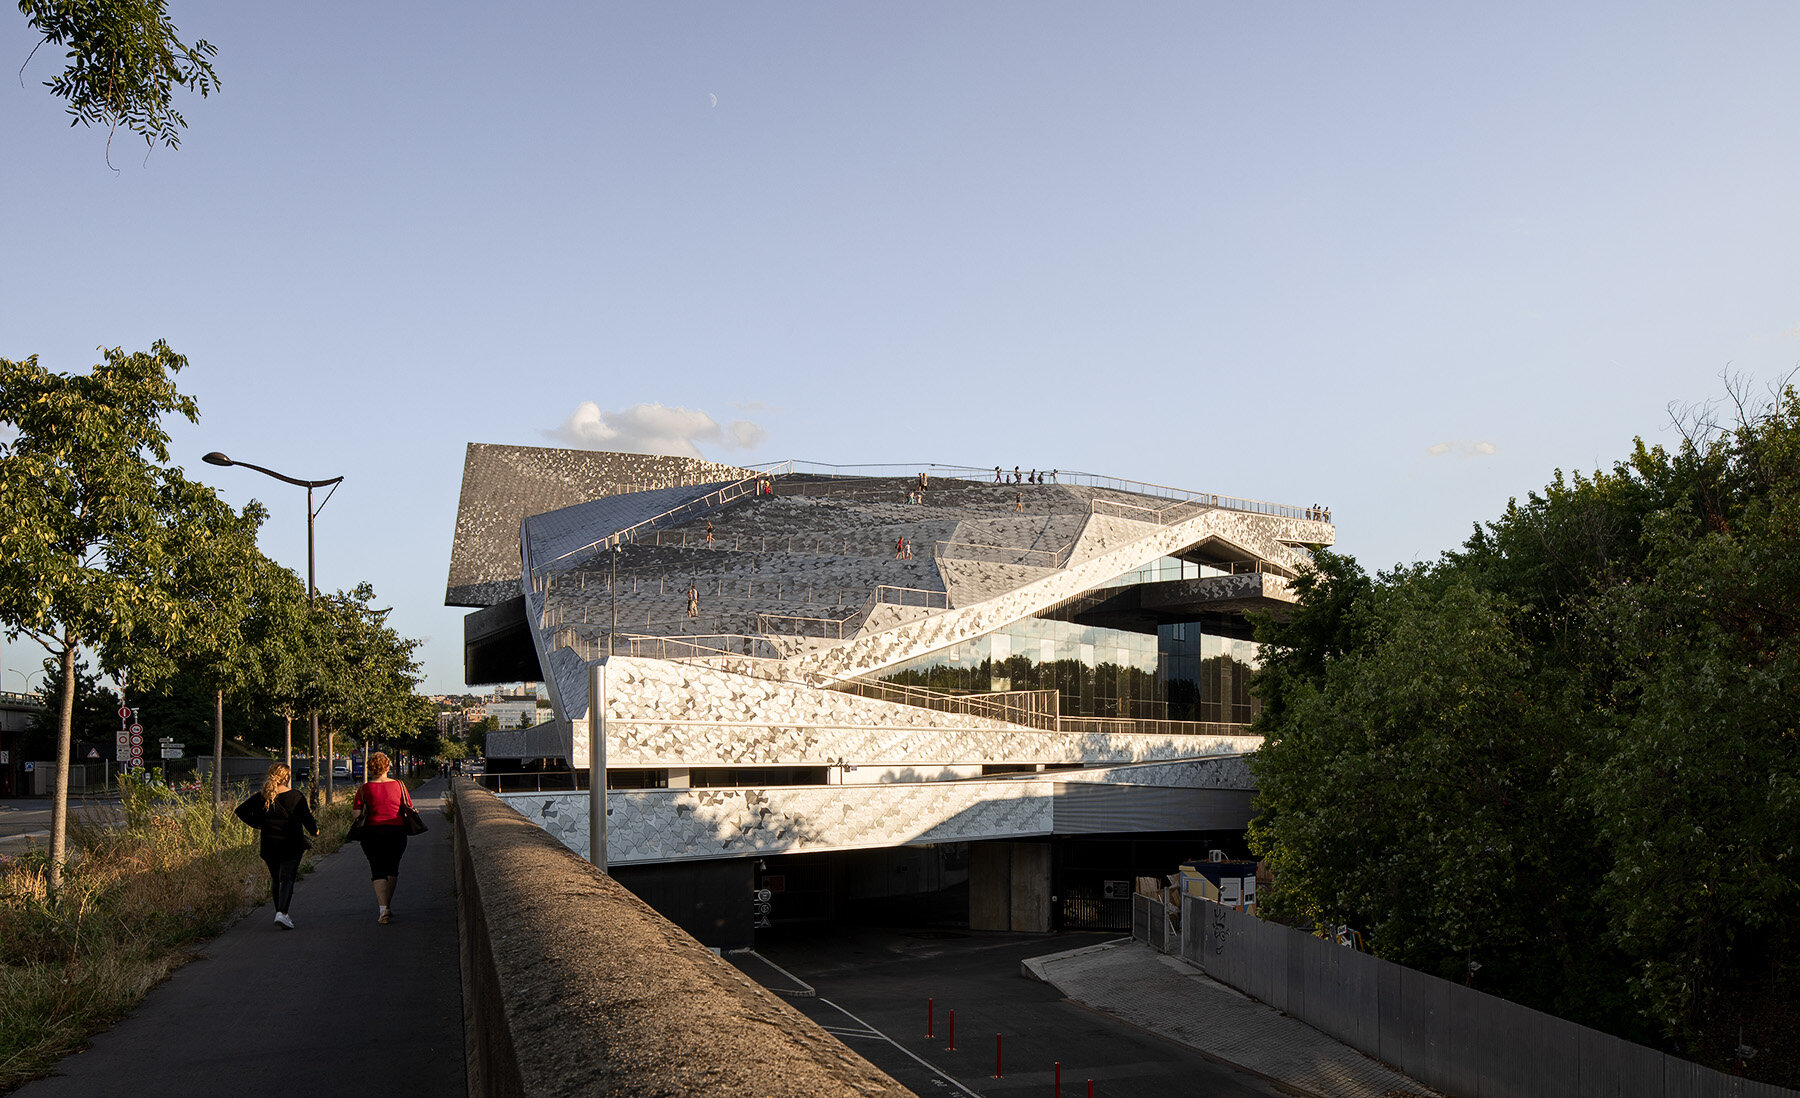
(871, 989)
(25, 819)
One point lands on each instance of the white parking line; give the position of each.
(870, 1030)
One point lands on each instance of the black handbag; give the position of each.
(409, 819)
(362, 816)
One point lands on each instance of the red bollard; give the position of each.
(1090, 1088)
(1059, 1079)
(952, 1031)
(928, 1005)
(996, 1056)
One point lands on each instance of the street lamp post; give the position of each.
(216, 458)
(597, 731)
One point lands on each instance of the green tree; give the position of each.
(124, 61)
(1568, 751)
(364, 674)
(93, 521)
(214, 582)
(95, 717)
(1699, 798)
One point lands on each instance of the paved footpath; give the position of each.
(1168, 996)
(341, 1005)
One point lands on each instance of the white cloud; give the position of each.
(1462, 449)
(653, 429)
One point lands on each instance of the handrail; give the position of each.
(1157, 515)
(1043, 715)
(710, 501)
(658, 645)
(765, 624)
(984, 474)
(1154, 726)
(1057, 558)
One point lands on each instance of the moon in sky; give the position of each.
(714, 98)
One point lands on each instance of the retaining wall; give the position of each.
(572, 985)
(1465, 1043)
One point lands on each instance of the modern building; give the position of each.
(986, 693)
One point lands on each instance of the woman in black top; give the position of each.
(283, 817)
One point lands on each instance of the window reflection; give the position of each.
(1188, 671)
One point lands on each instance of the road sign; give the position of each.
(173, 750)
(122, 754)
(136, 729)
(137, 743)
(30, 766)
(124, 712)
(93, 752)
(5, 758)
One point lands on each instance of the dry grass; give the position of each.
(134, 900)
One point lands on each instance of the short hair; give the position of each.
(379, 763)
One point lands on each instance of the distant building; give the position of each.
(820, 690)
(513, 712)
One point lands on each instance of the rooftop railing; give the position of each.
(987, 475)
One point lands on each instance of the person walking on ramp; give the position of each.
(379, 805)
(280, 813)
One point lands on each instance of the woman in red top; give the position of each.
(383, 835)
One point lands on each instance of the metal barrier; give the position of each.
(1454, 1038)
(799, 625)
(711, 501)
(984, 474)
(1037, 709)
(1001, 554)
(656, 646)
(1148, 726)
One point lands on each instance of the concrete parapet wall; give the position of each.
(575, 986)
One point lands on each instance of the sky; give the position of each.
(1404, 260)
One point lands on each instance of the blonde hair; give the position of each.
(278, 775)
(379, 763)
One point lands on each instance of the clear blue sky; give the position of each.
(1401, 259)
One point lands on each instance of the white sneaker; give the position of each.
(281, 919)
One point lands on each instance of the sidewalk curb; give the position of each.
(1032, 968)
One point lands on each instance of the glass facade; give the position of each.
(1184, 671)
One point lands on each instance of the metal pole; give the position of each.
(218, 758)
(312, 591)
(597, 765)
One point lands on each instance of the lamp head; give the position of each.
(216, 458)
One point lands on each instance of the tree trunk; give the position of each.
(312, 777)
(59, 792)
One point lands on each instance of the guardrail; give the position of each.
(658, 646)
(1001, 554)
(1152, 726)
(799, 625)
(711, 501)
(1033, 708)
(1166, 515)
(986, 474)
